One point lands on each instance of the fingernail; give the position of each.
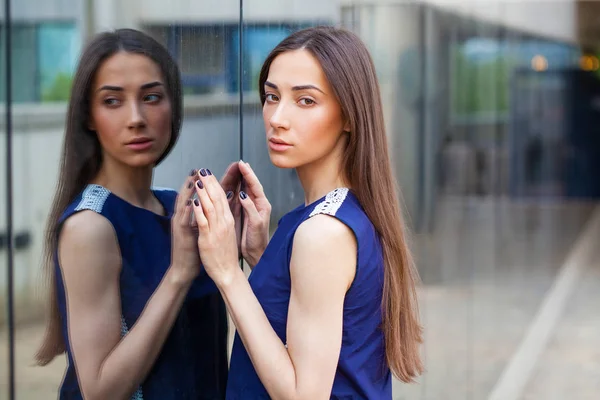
(193, 172)
(189, 202)
(203, 172)
(208, 171)
(190, 185)
(229, 195)
(196, 202)
(200, 184)
(243, 195)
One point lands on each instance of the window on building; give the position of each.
(208, 54)
(44, 55)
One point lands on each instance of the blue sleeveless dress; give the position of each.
(193, 360)
(362, 371)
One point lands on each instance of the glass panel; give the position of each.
(48, 40)
(208, 59)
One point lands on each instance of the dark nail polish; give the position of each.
(193, 172)
(229, 195)
(203, 172)
(200, 184)
(243, 195)
(196, 202)
(208, 171)
(189, 202)
(190, 185)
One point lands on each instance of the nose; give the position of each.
(136, 116)
(279, 119)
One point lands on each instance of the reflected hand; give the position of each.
(185, 261)
(231, 183)
(217, 242)
(255, 233)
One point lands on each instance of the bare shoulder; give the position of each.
(324, 248)
(323, 231)
(87, 238)
(87, 228)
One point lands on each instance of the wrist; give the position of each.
(230, 279)
(254, 256)
(182, 280)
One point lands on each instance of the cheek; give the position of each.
(106, 125)
(267, 113)
(323, 126)
(161, 119)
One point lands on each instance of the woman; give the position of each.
(329, 311)
(128, 302)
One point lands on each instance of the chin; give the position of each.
(142, 160)
(281, 161)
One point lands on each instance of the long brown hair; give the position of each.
(350, 71)
(82, 154)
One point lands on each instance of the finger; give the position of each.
(231, 178)
(199, 217)
(186, 214)
(216, 193)
(249, 208)
(192, 219)
(184, 194)
(253, 186)
(206, 203)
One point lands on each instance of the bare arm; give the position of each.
(322, 268)
(109, 367)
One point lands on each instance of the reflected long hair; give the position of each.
(82, 154)
(349, 69)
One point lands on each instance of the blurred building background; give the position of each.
(492, 109)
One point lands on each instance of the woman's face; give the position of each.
(130, 110)
(303, 119)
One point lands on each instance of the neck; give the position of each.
(131, 184)
(322, 176)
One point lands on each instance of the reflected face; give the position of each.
(130, 110)
(303, 119)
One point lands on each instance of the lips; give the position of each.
(278, 145)
(140, 144)
(279, 141)
(140, 140)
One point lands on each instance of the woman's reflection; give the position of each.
(129, 303)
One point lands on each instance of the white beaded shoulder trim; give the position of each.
(332, 202)
(93, 198)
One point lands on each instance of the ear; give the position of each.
(91, 125)
(347, 127)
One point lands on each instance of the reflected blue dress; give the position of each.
(193, 361)
(362, 371)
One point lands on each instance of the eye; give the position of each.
(111, 101)
(307, 102)
(153, 97)
(270, 97)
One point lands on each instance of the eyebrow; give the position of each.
(300, 87)
(120, 89)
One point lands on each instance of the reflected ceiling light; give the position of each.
(539, 63)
